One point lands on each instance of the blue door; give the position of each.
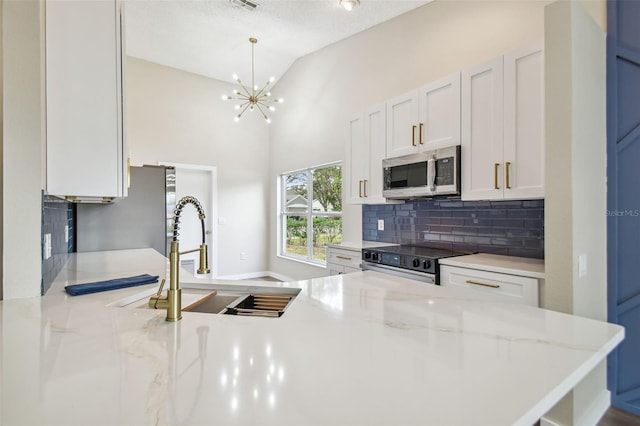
(623, 198)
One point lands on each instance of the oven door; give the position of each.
(399, 272)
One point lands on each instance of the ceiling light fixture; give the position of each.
(349, 4)
(252, 97)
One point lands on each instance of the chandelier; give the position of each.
(253, 97)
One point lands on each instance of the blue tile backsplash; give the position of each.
(56, 214)
(514, 228)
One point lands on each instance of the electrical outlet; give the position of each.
(243, 255)
(380, 224)
(47, 246)
(66, 233)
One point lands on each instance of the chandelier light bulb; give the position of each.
(280, 100)
(253, 97)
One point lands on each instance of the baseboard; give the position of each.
(258, 274)
(591, 416)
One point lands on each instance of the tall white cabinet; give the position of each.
(87, 153)
(502, 127)
(365, 152)
(425, 119)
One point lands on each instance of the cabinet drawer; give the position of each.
(519, 289)
(335, 269)
(339, 256)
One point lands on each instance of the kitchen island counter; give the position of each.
(361, 348)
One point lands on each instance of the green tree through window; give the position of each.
(311, 212)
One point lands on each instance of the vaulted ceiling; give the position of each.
(211, 37)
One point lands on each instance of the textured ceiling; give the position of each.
(211, 37)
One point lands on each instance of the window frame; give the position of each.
(283, 213)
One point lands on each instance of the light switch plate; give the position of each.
(380, 224)
(582, 265)
(66, 233)
(47, 246)
(243, 255)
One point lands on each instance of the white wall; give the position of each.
(324, 88)
(23, 144)
(575, 204)
(179, 117)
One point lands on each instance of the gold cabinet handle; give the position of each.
(360, 188)
(343, 257)
(483, 284)
(507, 174)
(413, 135)
(420, 135)
(365, 188)
(495, 175)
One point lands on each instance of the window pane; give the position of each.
(296, 193)
(296, 237)
(327, 189)
(326, 230)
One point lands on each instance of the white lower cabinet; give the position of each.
(523, 290)
(342, 260)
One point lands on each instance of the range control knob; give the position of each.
(416, 263)
(367, 255)
(374, 256)
(427, 264)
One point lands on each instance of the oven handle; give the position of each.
(398, 272)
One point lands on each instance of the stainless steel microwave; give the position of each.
(422, 175)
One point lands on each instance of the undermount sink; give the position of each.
(229, 299)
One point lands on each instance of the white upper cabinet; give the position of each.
(356, 167)
(425, 119)
(440, 113)
(402, 122)
(482, 133)
(524, 122)
(86, 144)
(363, 160)
(502, 127)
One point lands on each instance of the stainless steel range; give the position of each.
(414, 262)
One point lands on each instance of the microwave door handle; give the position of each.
(431, 174)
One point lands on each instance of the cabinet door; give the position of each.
(85, 147)
(482, 131)
(524, 123)
(356, 161)
(402, 125)
(375, 135)
(440, 113)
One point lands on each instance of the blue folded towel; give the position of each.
(79, 289)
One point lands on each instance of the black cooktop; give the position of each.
(421, 251)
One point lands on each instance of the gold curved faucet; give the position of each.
(172, 302)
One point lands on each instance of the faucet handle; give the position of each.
(204, 260)
(161, 287)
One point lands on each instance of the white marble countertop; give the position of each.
(360, 348)
(513, 265)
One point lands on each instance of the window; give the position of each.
(310, 212)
